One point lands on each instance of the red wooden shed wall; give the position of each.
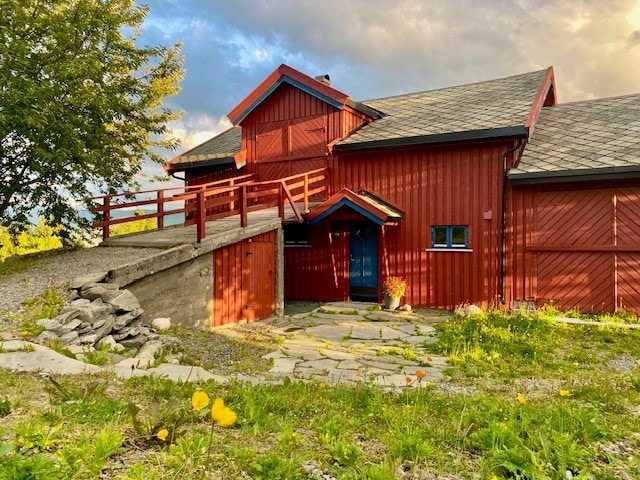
(436, 185)
(575, 246)
(244, 280)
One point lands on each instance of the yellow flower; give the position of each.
(322, 384)
(564, 393)
(521, 399)
(163, 434)
(223, 416)
(199, 400)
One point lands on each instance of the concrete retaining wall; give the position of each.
(183, 293)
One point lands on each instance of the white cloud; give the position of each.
(192, 130)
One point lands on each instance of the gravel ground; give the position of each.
(60, 267)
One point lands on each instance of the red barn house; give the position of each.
(488, 193)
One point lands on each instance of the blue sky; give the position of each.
(376, 48)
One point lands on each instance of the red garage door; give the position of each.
(587, 250)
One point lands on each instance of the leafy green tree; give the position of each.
(81, 104)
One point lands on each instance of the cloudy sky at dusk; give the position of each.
(377, 48)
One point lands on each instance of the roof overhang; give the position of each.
(586, 175)
(364, 202)
(237, 161)
(519, 131)
(186, 165)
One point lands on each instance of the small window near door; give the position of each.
(296, 234)
(449, 236)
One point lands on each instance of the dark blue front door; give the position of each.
(363, 264)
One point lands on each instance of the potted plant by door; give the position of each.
(394, 289)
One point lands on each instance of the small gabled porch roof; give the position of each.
(367, 204)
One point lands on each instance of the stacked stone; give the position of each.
(99, 313)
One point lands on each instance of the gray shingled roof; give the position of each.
(493, 104)
(220, 149)
(583, 138)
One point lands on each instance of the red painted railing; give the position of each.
(210, 201)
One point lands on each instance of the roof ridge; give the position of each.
(454, 86)
(592, 100)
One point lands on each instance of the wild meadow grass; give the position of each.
(527, 399)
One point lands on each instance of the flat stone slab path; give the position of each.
(335, 343)
(349, 342)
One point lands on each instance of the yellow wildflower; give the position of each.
(322, 384)
(222, 415)
(564, 393)
(199, 400)
(163, 434)
(521, 399)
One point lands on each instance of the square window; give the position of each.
(296, 234)
(449, 236)
(440, 237)
(458, 237)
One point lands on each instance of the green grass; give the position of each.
(544, 399)
(36, 239)
(134, 226)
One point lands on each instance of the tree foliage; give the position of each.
(81, 104)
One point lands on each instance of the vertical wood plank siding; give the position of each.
(320, 271)
(244, 280)
(285, 105)
(575, 246)
(452, 185)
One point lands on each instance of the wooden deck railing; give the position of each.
(201, 203)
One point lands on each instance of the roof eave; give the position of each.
(586, 175)
(286, 74)
(214, 162)
(519, 131)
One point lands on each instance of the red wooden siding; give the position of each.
(575, 280)
(319, 271)
(452, 185)
(576, 248)
(288, 133)
(244, 280)
(200, 176)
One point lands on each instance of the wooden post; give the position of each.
(232, 205)
(279, 272)
(306, 193)
(243, 206)
(200, 212)
(106, 217)
(281, 201)
(160, 209)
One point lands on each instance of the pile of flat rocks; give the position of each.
(99, 314)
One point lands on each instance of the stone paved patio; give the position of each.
(348, 342)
